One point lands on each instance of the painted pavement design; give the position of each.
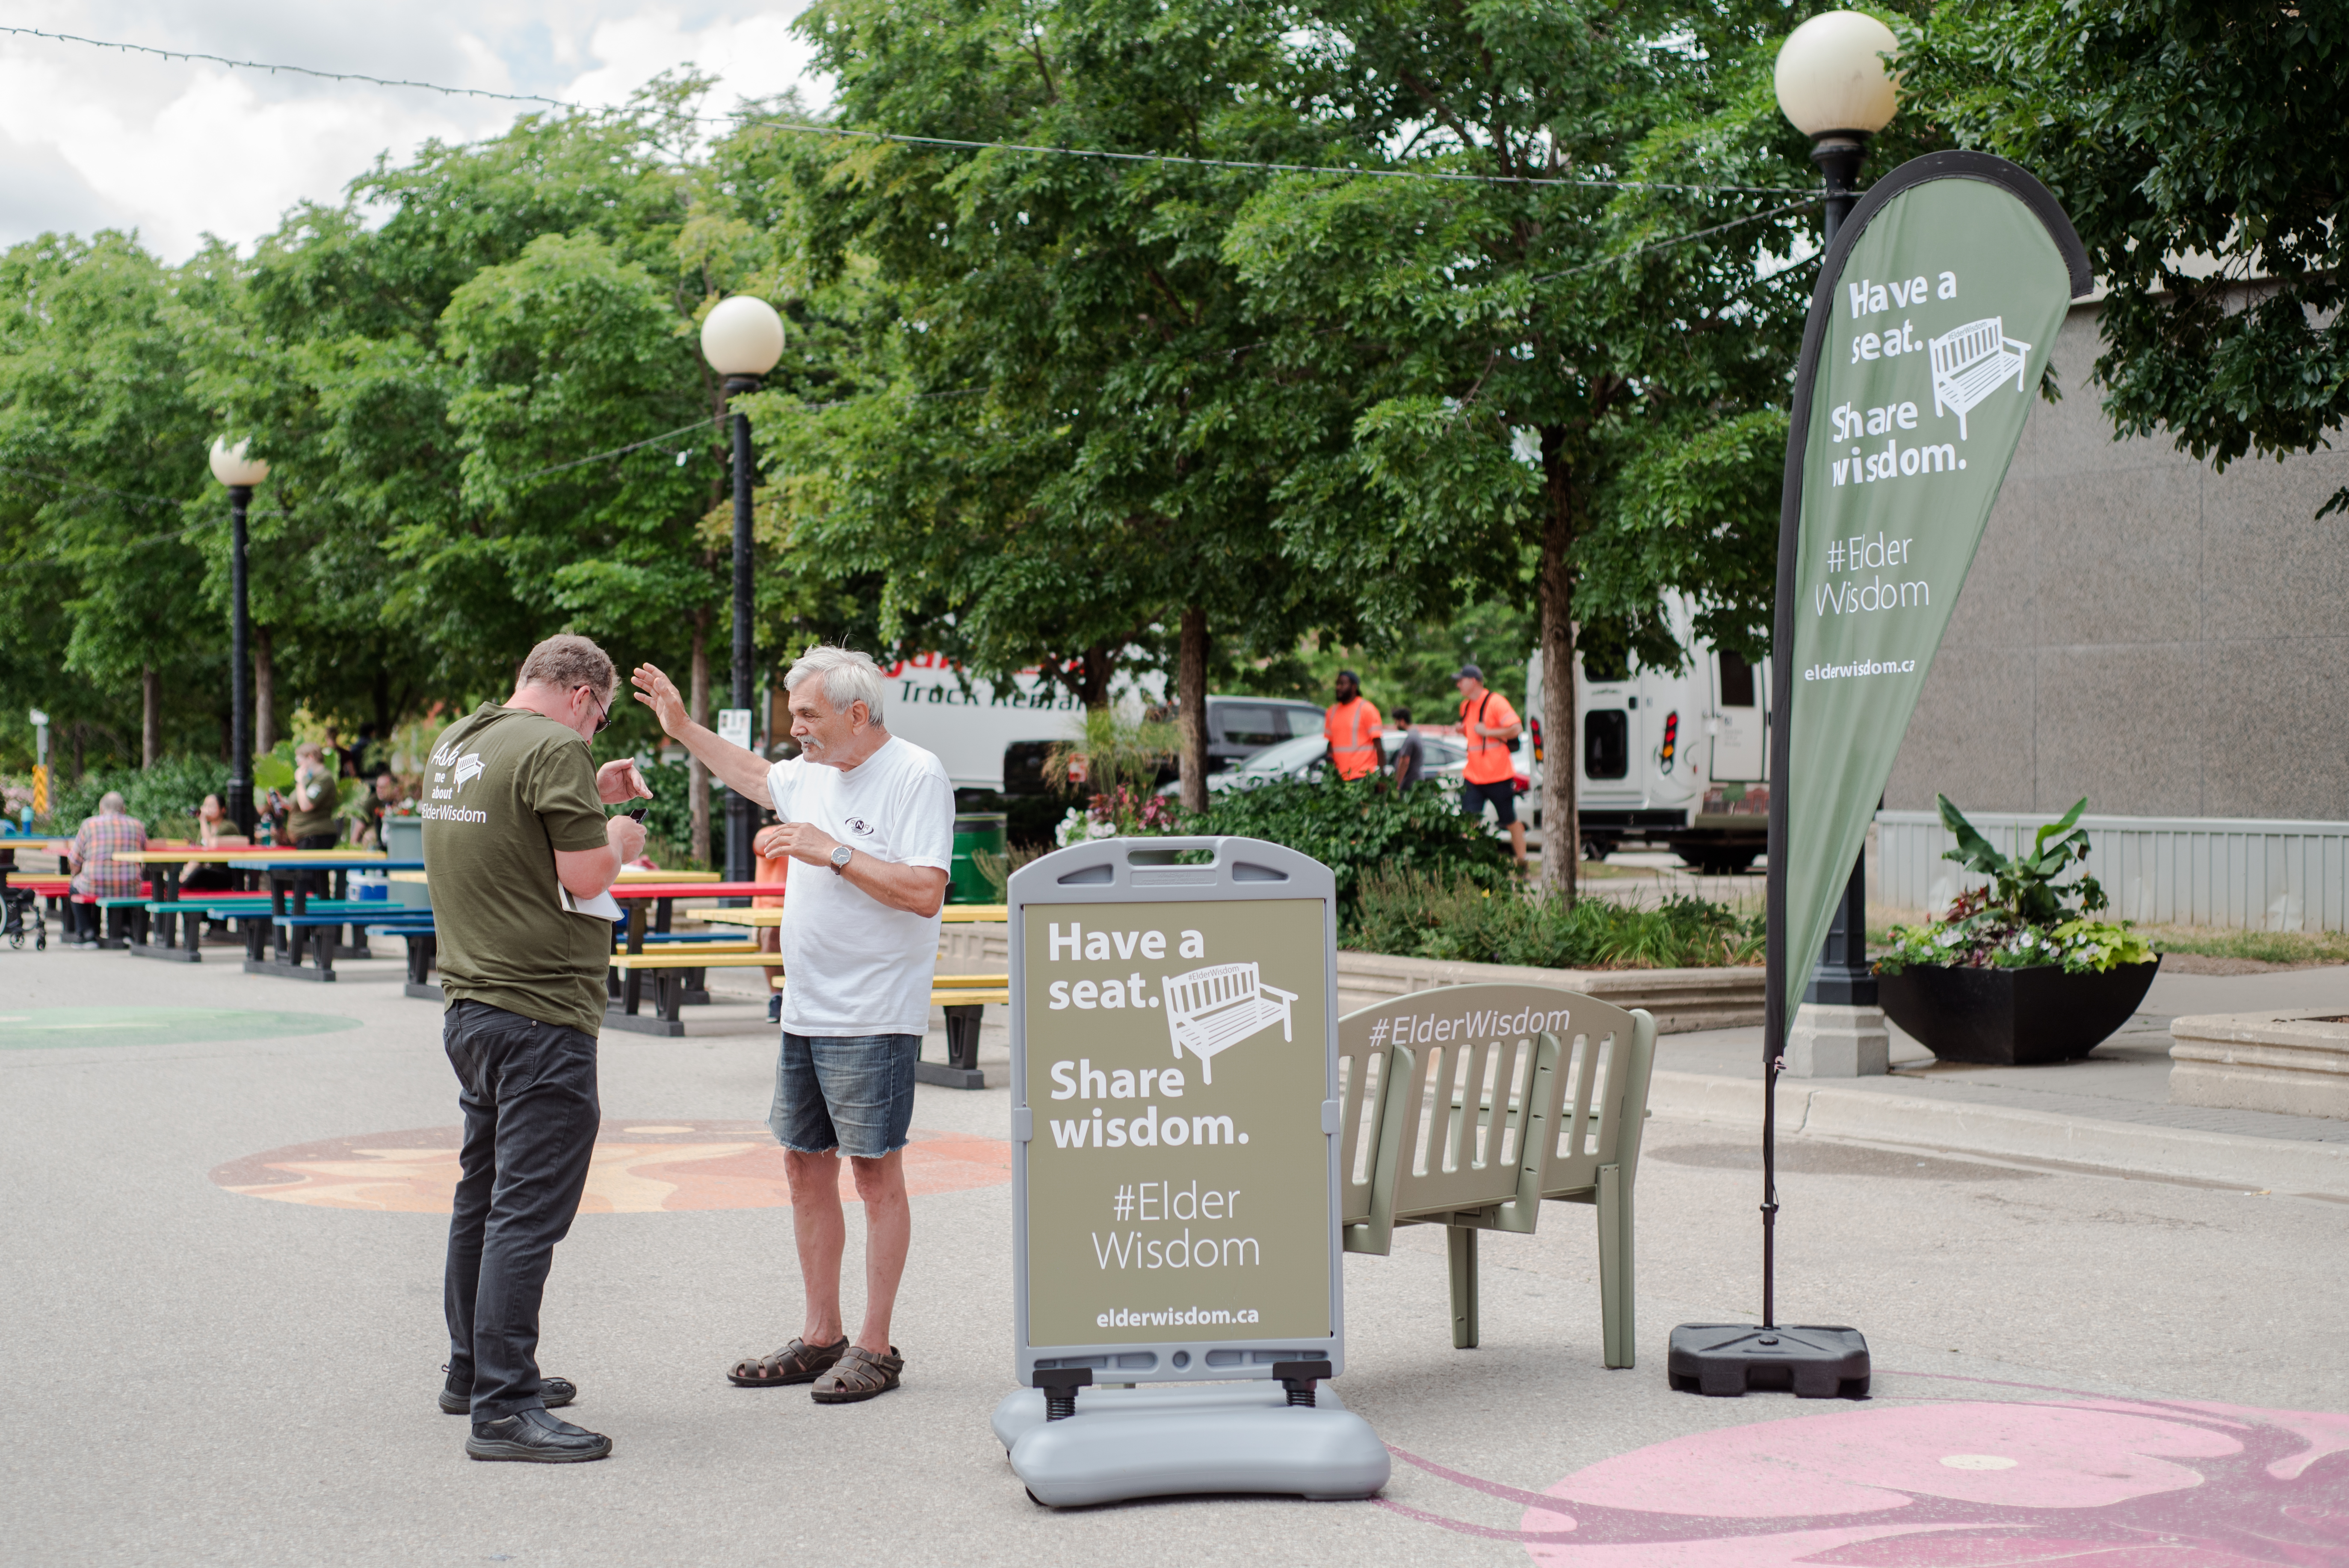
(1943, 1471)
(639, 1167)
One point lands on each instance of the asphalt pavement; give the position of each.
(223, 1302)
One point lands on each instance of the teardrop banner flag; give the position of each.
(1935, 315)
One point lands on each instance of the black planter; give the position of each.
(2013, 1017)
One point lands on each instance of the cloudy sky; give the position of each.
(97, 139)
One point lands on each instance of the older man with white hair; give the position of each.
(866, 820)
(97, 874)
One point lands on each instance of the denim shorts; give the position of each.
(854, 1093)
(1501, 792)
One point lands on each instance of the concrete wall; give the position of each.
(2163, 639)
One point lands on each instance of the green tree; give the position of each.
(2197, 147)
(1067, 441)
(1580, 358)
(102, 501)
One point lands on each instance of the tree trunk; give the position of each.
(81, 738)
(264, 695)
(698, 710)
(150, 718)
(1561, 823)
(1191, 695)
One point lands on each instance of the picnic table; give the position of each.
(650, 900)
(157, 935)
(288, 876)
(952, 914)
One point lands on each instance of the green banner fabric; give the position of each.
(1936, 312)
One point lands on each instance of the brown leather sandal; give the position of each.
(858, 1374)
(798, 1362)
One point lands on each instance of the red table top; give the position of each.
(623, 892)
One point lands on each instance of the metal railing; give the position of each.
(2245, 873)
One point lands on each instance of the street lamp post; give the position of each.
(741, 337)
(239, 473)
(1832, 84)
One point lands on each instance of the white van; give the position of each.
(1675, 761)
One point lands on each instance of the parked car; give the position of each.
(1308, 756)
(1238, 728)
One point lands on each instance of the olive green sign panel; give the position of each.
(1928, 335)
(1177, 1178)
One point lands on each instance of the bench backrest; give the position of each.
(1605, 1064)
(1469, 1096)
(1962, 347)
(1203, 991)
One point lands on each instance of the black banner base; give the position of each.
(1811, 1361)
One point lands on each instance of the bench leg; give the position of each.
(256, 937)
(323, 944)
(669, 993)
(962, 1036)
(1616, 1327)
(1460, 1243)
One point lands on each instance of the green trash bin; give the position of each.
(983, 831)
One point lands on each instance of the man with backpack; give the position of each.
(1490, 727)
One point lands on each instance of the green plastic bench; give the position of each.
(1469, 1106)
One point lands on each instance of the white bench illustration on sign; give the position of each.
(1971, 362)
(1213, 1009)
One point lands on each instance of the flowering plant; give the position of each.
(1119, 813)
(2023, 918)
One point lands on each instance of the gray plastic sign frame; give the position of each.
(1142, 871)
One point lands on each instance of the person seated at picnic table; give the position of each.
(382, 799)
(94, 871)
(214, 831)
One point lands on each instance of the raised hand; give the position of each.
(659, 693)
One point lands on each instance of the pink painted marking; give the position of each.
(2076, 1479)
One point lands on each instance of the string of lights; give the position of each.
(956, 143)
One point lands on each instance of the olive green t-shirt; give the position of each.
(319, 817)
(506, 788)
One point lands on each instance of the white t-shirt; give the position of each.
(851, 964)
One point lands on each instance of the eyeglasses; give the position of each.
(602, 710)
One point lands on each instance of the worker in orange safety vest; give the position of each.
(1352, 726)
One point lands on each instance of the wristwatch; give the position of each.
(840, 859)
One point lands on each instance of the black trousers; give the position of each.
(528, 1092)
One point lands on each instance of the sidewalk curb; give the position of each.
(2273, 1164)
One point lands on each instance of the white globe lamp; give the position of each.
(234, 469)
(743, 335)
(1833, 85)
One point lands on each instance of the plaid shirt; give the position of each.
(96, 872)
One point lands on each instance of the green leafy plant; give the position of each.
(1112, 756)
(1425, 914)
(163, 797)
(1355, 828)
(997, 869)
(2024, 918)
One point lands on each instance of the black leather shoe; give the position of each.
(556, 1392)
(538, 1438)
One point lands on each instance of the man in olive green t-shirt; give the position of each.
(520, 858)
(311, 825)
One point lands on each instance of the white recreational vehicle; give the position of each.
(1679, 761)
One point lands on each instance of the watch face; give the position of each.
(843, 856)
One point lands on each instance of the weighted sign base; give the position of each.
(1811, 1361)
(1126, 1443)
